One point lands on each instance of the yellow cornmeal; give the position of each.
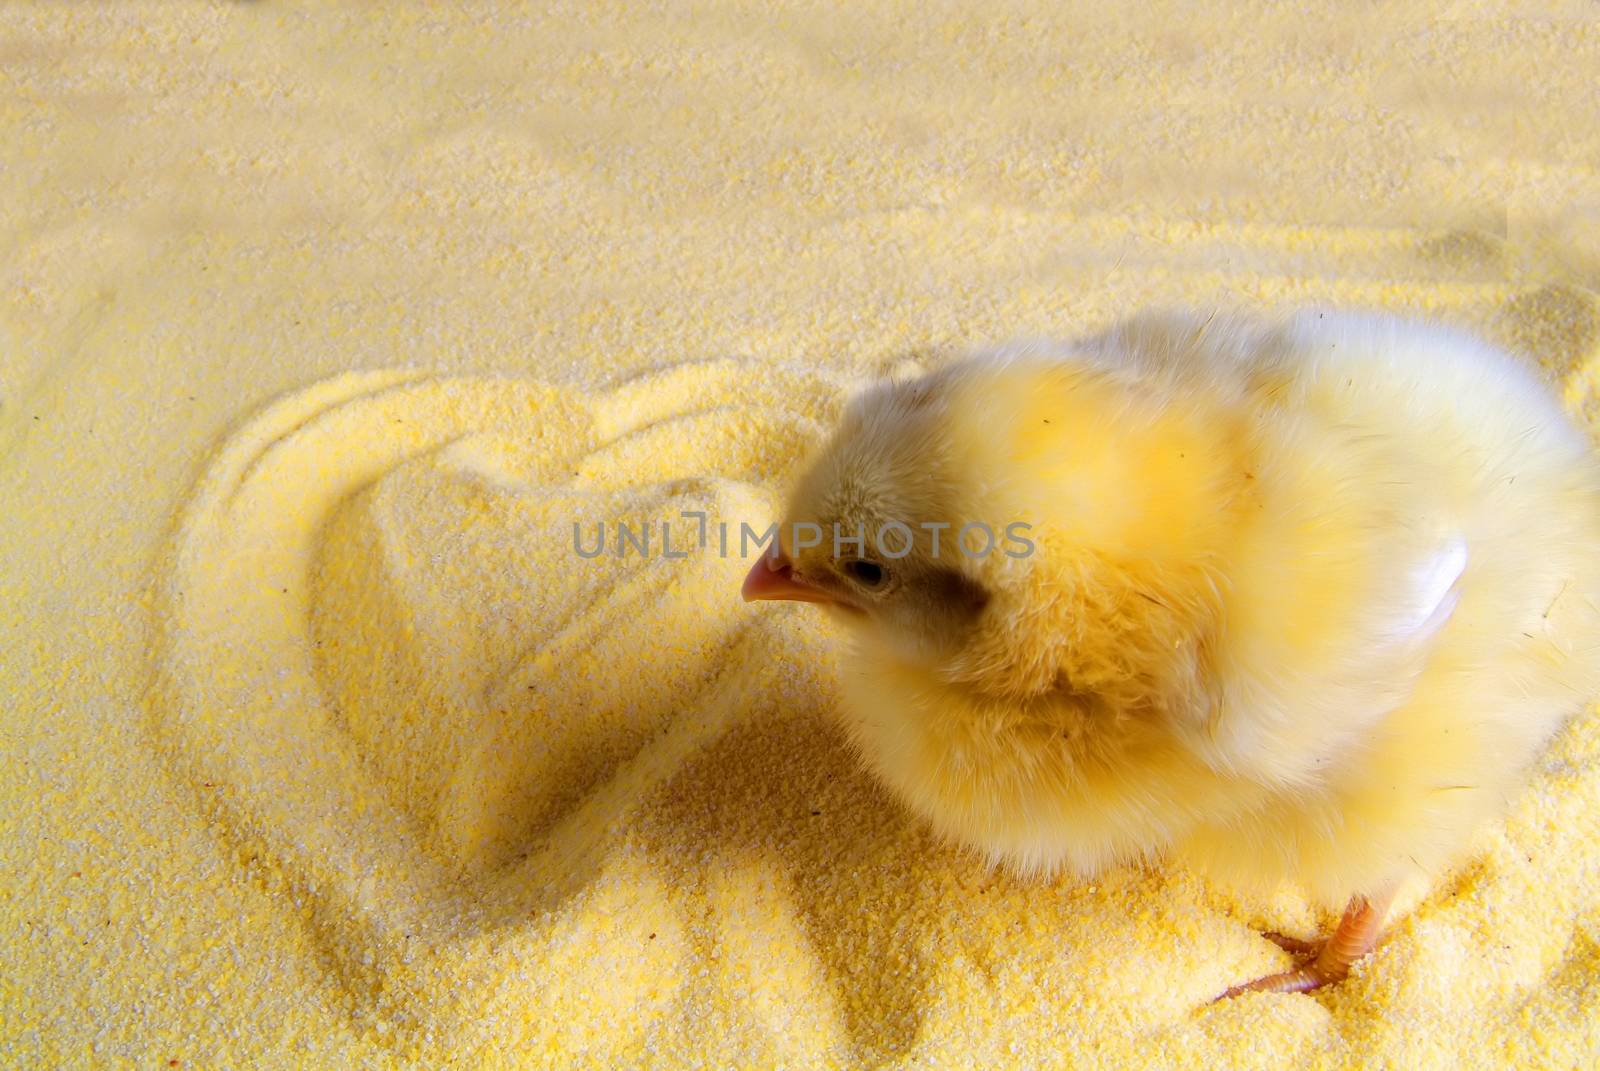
(323, 746)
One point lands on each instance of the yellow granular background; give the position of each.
(321, 327)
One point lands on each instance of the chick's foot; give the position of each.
(1329, 961)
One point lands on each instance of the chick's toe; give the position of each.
(1293, 945)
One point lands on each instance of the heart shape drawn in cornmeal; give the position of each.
(420, 715)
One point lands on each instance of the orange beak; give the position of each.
(773, 578)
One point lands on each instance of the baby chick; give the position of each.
(1291, 601)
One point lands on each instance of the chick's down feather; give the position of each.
(1292, 601)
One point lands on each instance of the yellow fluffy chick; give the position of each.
(1293, 601)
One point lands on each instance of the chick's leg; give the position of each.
(1357, 934)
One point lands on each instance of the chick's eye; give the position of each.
(866, 573)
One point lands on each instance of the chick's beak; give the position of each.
(773, 578)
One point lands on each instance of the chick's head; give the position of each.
(871, 530)
(1024, 526)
